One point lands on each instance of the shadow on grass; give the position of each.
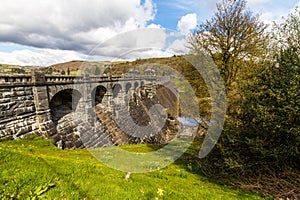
(189, 162)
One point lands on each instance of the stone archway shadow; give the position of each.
(64, 102)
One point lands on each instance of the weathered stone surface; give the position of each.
(4, 100)
(30, 105)
(74, 132)
(17, 112)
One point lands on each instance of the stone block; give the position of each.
(28, 89)
(78, 143)
(19, 88)
(19, 111)
(8, 137)
(4, 89)
(20, 93)
(69, 145)
(28, 92)
(56, 138)
(8, 94)
(23, 130)
(70, 137)
(5, 100)
(21, 98)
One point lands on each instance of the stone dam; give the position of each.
(89, 111)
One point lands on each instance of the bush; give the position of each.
(265, 134)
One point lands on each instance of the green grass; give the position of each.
(35, 169)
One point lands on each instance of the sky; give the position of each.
(41, 33)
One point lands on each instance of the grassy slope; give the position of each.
(35, 168)
(9, 69)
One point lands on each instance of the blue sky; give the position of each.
(169, 12)
(50, 31)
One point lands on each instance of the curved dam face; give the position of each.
(73, 132)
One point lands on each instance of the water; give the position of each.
(189, 122)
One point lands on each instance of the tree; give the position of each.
(68, 71)
(287, 34)
(232, 37)
(264, 138)
(271, 112)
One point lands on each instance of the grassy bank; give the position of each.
(35, 169)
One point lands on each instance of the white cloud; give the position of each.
(254, 3)
(187, 23)
(59, 29)
(277, 15)
(38, 57)
(297, 5)
(268, 18)
(70, 25)
(140, 43)
(131, 44)
(178, 47)
(155, 26)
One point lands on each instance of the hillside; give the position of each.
(72, 65)
(16, 69)
(178, 63)
(76, 66)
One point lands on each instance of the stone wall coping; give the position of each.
(28, 80)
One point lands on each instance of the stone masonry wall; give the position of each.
(17, 112)
(24, 110)
(74, 132)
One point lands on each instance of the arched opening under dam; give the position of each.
(136, 85)
(116, 90)
(63, 103)
(98, 95)
(128, 87)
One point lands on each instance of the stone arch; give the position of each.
(128, 86)
(116, 90)
(63, 103)
(136, 85)
(98, 94)
(54, 89)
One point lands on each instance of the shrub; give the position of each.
(265, 134)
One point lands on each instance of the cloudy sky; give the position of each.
(44, 32)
